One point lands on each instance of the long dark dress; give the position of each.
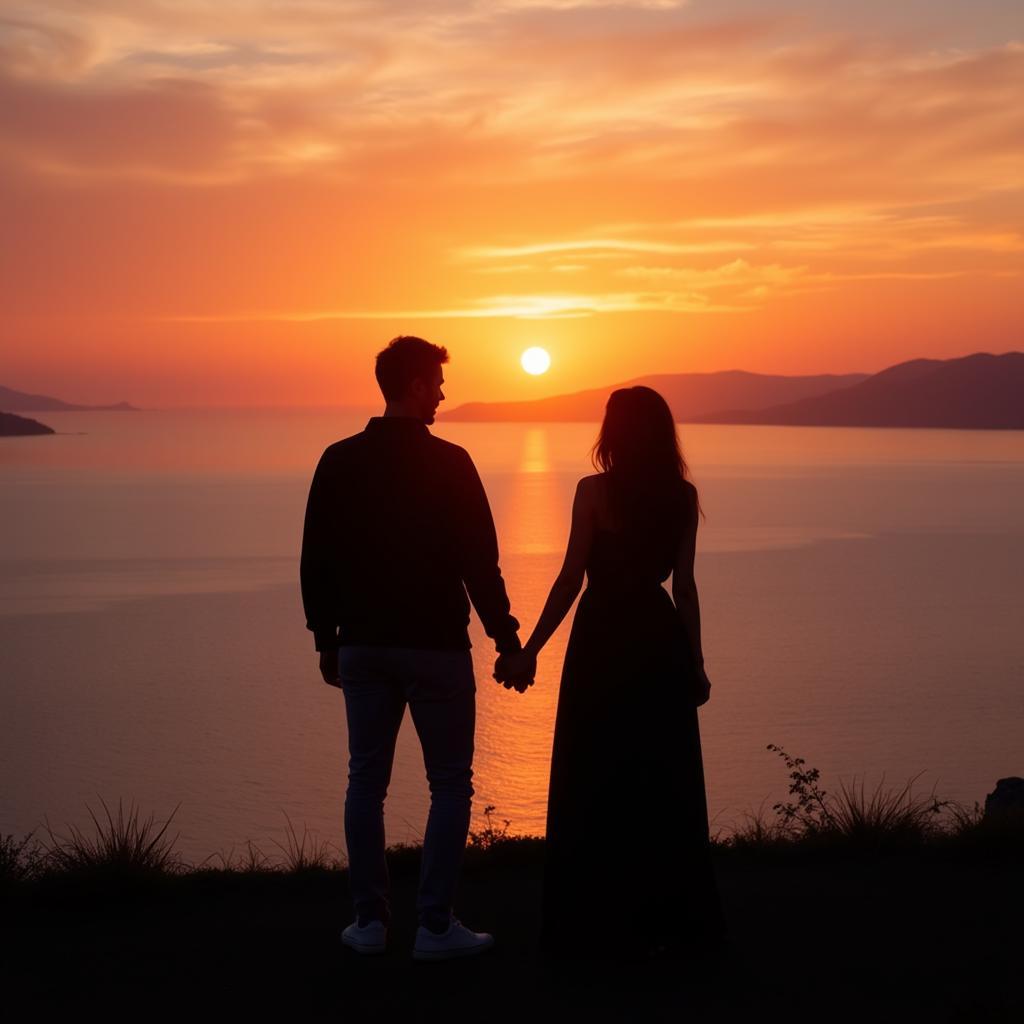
(627, 823)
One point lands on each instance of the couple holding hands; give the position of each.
(398, 539)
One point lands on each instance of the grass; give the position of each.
(297, 859)
(885, 820)
(18, 860)
(822, 926)
(122, 847)
(852, 821)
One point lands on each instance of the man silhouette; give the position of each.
(397, 531)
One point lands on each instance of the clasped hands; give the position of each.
(516, 670)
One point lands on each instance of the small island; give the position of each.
(21, 426)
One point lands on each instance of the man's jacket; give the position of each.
(397, 530)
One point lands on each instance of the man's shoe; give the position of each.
(371, 938)
(457, 941)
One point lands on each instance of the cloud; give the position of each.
(585, 246)
(534, 91)
(551, 306)
(729, 275)
(661, 156)
(33, 49)
(172, 128)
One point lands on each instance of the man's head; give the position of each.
(410, 376)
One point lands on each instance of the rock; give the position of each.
(1006, 799)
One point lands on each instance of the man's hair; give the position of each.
(406, 358)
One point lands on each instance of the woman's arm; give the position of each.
(570, 579)
(684, 587)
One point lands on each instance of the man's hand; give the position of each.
(703, 686)
(329, 667)
(516, 670)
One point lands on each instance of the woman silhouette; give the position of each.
(627, 863)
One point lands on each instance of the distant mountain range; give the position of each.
(980, 391)
(20, 426)
(690, 395)
(20, 401)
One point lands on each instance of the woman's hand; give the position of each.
(516, 670)
(703, 686)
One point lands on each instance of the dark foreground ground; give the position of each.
(907, 937)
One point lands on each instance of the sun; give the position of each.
(535, 360)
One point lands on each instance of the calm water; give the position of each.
(861, 594)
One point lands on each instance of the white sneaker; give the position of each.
(457, 941)
(372, 938)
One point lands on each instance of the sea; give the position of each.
(861, 597)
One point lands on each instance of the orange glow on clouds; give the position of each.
(209, 205)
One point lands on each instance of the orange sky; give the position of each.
(240, 203)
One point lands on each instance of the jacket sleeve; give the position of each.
(479, 566)
(317, 562)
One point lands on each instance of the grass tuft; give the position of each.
(122, 847)
(253, 861)
(20, 862)
(318, 857)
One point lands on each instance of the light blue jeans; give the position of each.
(440, 689)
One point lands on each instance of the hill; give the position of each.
(980, 391)
(691, 395)
(839, 939)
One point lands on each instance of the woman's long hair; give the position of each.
(638, 447)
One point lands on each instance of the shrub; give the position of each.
(18, 861)
(489, 836)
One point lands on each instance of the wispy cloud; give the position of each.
(550, 89)
(587, 245)
(656, 156)
(525, 307)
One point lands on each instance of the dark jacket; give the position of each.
(397, 530)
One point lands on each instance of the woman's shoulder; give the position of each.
(592, 496)
(593, 488)
(690, 502)
(590, 485)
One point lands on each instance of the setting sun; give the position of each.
(535, 360)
